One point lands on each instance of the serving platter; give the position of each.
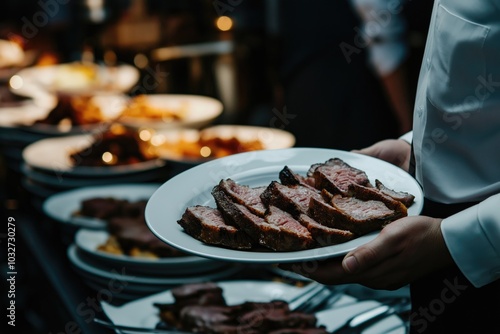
(259, 168)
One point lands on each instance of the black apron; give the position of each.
(445, 301)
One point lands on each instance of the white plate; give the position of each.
(62, 78)
(142, 313)
(269, 137)
(24, 114)
(65, 182)
(53, 154)
(89, 240)
(259, 168)
(201, 111)
(110, 106)
(101, 273)
(61, 206)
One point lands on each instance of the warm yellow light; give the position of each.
(16, 82)
(224, 23)
(108, 158)
(145, 134)
(205, 151)
(158, 140)
(141, 60)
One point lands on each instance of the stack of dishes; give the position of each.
(48, 169)
(43, 89)
(138, 277)
(15, 116)
(130, 276)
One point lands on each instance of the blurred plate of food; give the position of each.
(116, 150)
(91, 207)
(81, 78)
(11, 54)
(185, 148)
(242, 306)
(115, 248)
(98, 272)
(73, 114)
(18, 109)
(160, 111)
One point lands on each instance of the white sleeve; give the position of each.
(407, 137)
(384, 28)
(473, 239)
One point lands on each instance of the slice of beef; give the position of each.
(324, 235)
(195, 293)
(372, 193)
(133, 233)
(201, 319)
(294, 236)
(244, 195)
(101, 207)
(265, 231)
(276, 318)
(292, 199)
(335, 176)
(238, 215)
(353, 214)
(203, 294)
(207, 225)
(406, 198)
(289, 178)
(248, 317)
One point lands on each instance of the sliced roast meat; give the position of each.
(244, 195)
(292, 199)
(207, 225)
(202, 294)
(353, 214)
(238, 215)
(248, 317)
(324, 235)
(406, 198)
(335, 176)
(290, 178)
(371, 193)
(273, 231)
(293, 235)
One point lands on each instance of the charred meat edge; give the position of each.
(406, 198)
(212, 229)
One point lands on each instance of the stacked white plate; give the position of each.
(61, 207)
(138, 277)
(47, 168)
(134, 275)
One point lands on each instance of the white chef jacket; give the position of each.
(456, 130)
